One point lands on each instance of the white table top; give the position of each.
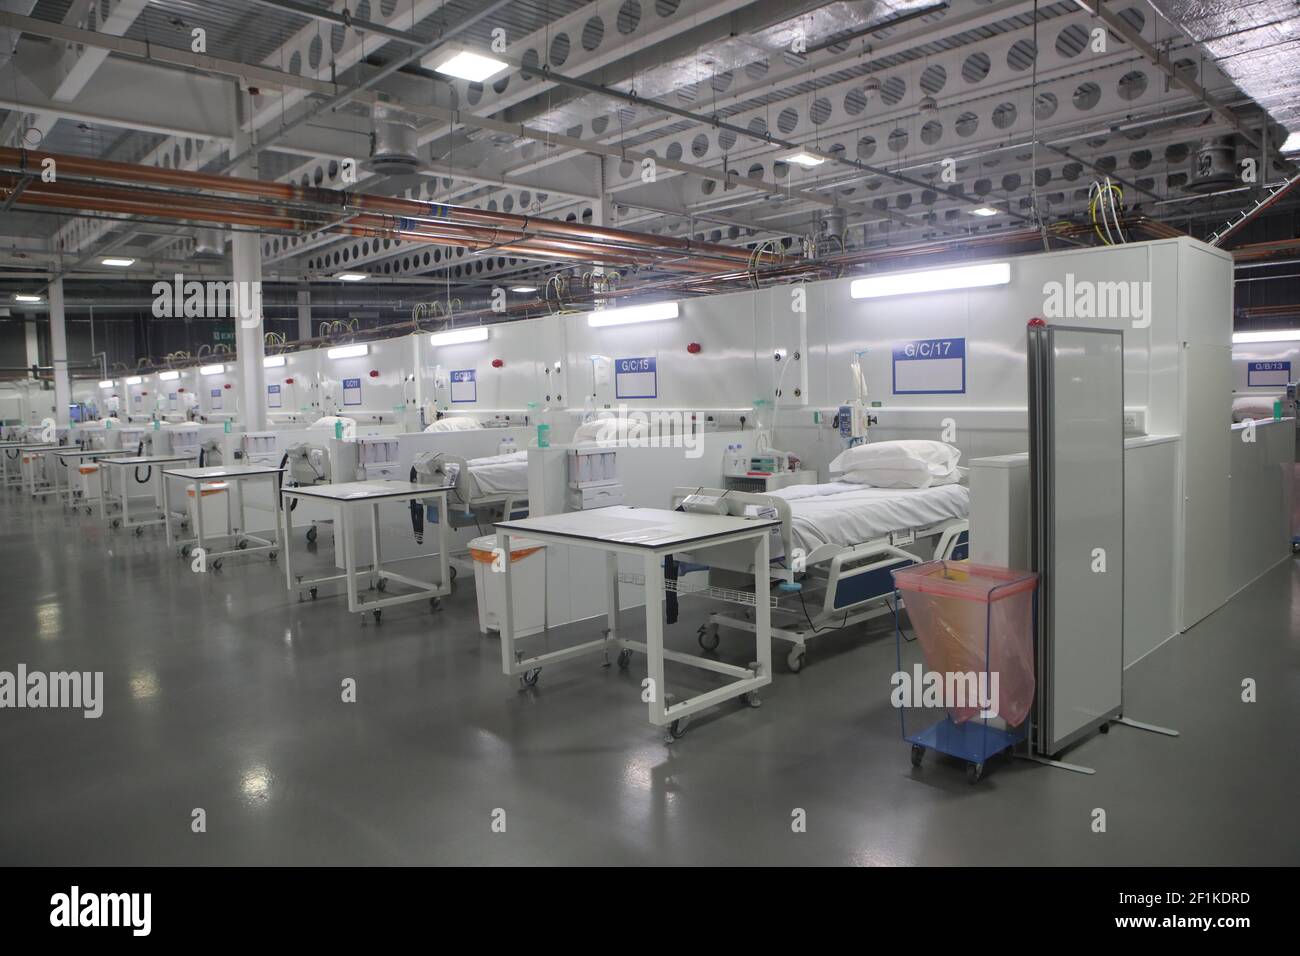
(222, 471)
(365, 490)
(87, 452)
(650, 528)
(36, 446)
(148, 460)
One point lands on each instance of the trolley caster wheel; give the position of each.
(451, 568)
(241, 544)
(382, 584)
(796, 658)
(216, 565)
(271, 555)
(678, 728)
(88, 511)
(311, 535)
(377, 613)
(435, 604)
(139, 532)
(115, 523)
(529, 677)
(974, 772)
(918, 754)
(752, 699)
(624, 659)
(709, 637)
(186, 549)
(312, 592)
(1104, 728)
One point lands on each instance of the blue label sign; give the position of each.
(352, 391)
(464, 386)
(1268, 374)
(930, 367)
(636, 378)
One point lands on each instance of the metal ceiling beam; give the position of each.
(1116, 25)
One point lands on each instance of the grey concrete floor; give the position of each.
(223, 693)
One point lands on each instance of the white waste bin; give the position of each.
(527, 579)
(216, 508)
(88, 481)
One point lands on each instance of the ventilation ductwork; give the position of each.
(209, 245)
(1214, 166)
(392, 144)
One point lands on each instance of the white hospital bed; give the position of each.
(496, 486)
(834, 553)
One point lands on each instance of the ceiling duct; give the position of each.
(392, 143)
(209, 245)
(1214, 166)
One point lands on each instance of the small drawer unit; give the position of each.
(593, 479)
(377, 458)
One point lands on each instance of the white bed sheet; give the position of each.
(844, 514)
(499, 474)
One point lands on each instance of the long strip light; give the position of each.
(348, 351)
(273, 361)
(24, 297)
(116, 262)
(932, 280)
(352, 276)
(1275, 335)
(477, 333)
(108, 383)
(211, 369)
(169, 376)
(651, 312)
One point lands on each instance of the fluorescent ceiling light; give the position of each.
(477, 333)
(523, 288)
(169, 376)
(348, 351)
(23, 297)
(134, 380)
(121, 263)
(983, 211)
(932, 280)
(474, 67)
(802, 157)
(352, 276)
(1274, 335)
(107, 384)
(211, 369)
(273, 361)
(652, 312)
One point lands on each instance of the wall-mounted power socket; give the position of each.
(1135, 421)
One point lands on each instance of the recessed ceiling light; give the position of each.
(119, 262)
(466, 65)
(983, 211)
(802, 157)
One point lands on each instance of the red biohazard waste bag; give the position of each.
(974, 619)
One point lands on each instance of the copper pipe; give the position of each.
(341, 200)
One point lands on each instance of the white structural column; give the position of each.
(246, 259)
(59, 354)
(304, 313)
(33, 343)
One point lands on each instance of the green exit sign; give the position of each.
(223, 335)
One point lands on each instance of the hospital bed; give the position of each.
(496, 486)
(834, 552)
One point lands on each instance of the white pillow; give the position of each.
(454, 423)
(609, 430)
(1257, 407)
(913, 463)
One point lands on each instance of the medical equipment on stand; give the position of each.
(854, 418)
